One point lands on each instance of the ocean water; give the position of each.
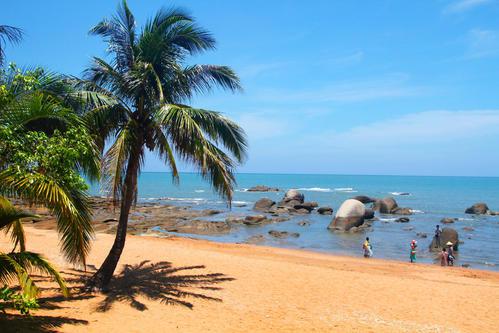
(432, 198)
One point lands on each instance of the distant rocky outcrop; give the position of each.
(389, 206)
(447, 235)
(350, 214)
(480, 208)
(263, 188)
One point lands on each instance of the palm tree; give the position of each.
(9, 34)
(140, 98)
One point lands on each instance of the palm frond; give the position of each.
(19, 265)
(9, 34)
(70, 206)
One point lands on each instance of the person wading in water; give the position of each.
(368, 249)
(438, 232)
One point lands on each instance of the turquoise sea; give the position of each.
(432, 198)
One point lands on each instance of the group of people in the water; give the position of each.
(446, 255)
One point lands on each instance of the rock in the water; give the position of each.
(364, 199)
(350, 214)
(469, 229)
(303, 223)
(255, 239)
(480, 208)
(448, 220)
(386, 205)
(254, 219)
(325, 210)
(234, 220)
(369, 214)
(389, 206)
(263, 188)
(309, 206)
(283, 234)
(294, 195)
(466, 265)
(422, 235)
(402, 220)
(264, 205)
(200, 227)
(447, 235)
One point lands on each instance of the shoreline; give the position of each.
(243, 287)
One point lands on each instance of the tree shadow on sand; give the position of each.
(161, 282)
(37, 324)
(154, 281)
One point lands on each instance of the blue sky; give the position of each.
(346, 87)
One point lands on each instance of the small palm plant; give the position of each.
(9, 34)
(18, 266)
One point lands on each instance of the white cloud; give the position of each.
(391, 86)
(464, 5)
(482, 43)
(417, 129)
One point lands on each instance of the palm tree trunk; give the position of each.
(101, 278)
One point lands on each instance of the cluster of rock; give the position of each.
(480, 208)
(292, 203)
(263, 188)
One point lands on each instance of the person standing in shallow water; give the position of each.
(444, 257)
(438, 232)
(414, 245)
(450, 254)
(367, 247)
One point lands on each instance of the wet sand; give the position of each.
(212, 287)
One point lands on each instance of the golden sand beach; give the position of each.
(202, 286)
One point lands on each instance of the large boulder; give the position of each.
(263, 205)
(350, 214)
(478, 209)
(294, 195)
(309, 206)
(263, 188)
(364, 199)
(369, 214)
(255, 220)
(447, 235)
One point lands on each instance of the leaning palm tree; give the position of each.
(140, 100)
(9, 34)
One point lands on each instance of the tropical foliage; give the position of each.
(44, 148)
(139, 98)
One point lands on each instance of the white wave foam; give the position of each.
(235, 202)
(387, 220)
(399, 193)
(183, 199)
(199, 191)
(417, 211)
(242, 190)
(315, 189)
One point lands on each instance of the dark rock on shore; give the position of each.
(309, 206)
(364, 199)
(402, 220)
(200, 227)
(283, 234)
(254, 219)
(480, 208)
(263, 188)
(349, 215)
(447, 235)
(325, 210)
(255, 239)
